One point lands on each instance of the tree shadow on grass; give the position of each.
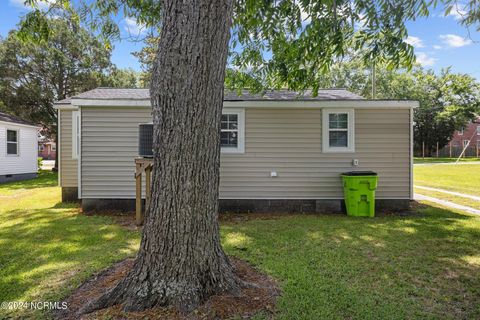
(387, 267)
(47, 252)
(44, 179)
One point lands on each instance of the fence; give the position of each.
(454, 151)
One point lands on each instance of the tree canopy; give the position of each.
(448, 101)
(33, 75)
(287, 44)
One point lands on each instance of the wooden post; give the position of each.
(450, 148)
(138, 196)
(148, 183)
(437, 149)
(423, 149)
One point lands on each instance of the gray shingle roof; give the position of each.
(271, 95)
(13, 119)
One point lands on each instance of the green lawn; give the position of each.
(449, 197)
(463, 178)
(425, 265)
(47, 248)
(442, 160)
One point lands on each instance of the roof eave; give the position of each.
(348, 103)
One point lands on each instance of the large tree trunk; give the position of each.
(181, 261)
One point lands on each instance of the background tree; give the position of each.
(33, 75)
(279, 44)
(448, 101)
(122, 78)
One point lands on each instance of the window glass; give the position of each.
(12, 142)
(338, 120)
(338, 139)
(229, 131)
(338, 130)
(11, 136)
(11, 148)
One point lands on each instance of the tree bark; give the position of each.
(181, 261)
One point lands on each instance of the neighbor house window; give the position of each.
(338, 130)
(478, 130)
(460, 132)
(41, 148)
(465, 143)
(12, 142)
(232, 134)
(54, 147)
(75, 134)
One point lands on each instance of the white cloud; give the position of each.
(425, 60)
(458, 11)
(437, 47)
(133, 27)
(452, 40)
(415, 42)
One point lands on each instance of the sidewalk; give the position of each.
(446, 203)
(453, 193)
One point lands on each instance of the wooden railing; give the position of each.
(142, 165)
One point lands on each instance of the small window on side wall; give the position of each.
(338, 130)
(232, 131)
(12, 142)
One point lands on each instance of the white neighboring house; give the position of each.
(18, 148)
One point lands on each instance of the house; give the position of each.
(18, 148)
(47, 148)
(469, 137)
(281, 151)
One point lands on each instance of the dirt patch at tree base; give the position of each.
(260, 298)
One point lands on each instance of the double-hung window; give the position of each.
(232, 136)
(12, 142)
(338, 130)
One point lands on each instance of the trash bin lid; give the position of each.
(359, 173)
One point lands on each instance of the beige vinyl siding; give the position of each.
(109, 148)
(287, 141)
(68, 165)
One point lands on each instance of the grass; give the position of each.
(442, 160)
(420, 160)
(47, 248)
(329, 266)
(461, 178)
(448, 197)
(336, 267)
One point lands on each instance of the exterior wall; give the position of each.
(109, 147)
(26, 160)
(287, 141)
(67, 165)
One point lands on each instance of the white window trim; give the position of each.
(350, 131)
(75, 134)
(7, 142)
(478, 130)
(241, 131)
(460, 132)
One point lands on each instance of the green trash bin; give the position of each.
(359, 192)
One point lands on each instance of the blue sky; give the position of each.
(439, 41)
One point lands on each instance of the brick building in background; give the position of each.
(470, 135)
